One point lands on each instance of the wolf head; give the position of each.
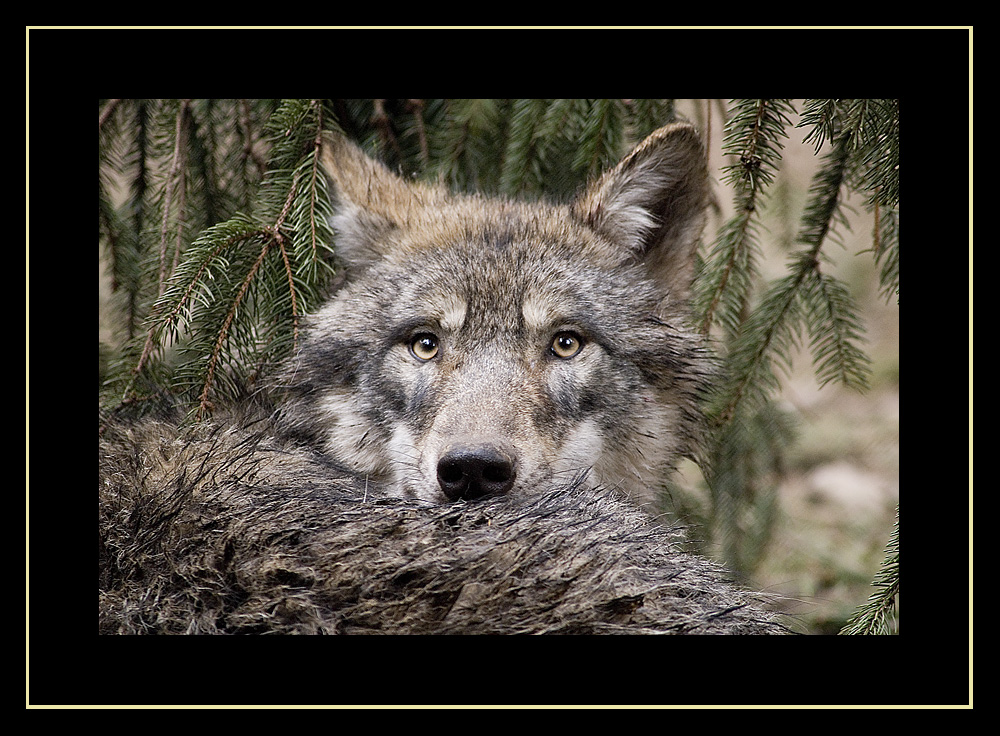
(482, 346)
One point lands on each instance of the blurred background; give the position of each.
(839, 488)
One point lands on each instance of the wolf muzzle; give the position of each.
(471, 471)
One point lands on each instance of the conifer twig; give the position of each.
(203, 403)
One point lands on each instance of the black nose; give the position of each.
(471, 472)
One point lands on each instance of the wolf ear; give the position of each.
(652, 204)
(370, 202)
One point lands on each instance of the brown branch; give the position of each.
(246, 128)
(280, 240)
(106, 113)
(317, 154)
(728, 269)
(224, 332)
(148, 347)
(271, 236)
(750, 161)
(380, 119)
(276, 238)
(417, 108)
(876, 228)
(176, 167)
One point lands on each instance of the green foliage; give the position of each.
(763, 324)
(754, 140)
(209, 312)
(878, 615)
(746, 467)
(807, 300)
(214, 224)
(870, 129)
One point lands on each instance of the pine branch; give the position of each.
(469, 155)
(836, 330)
(123, 182)
(176, 307)
(821, 118)
(237, 293)
(885, 248)
(806, 297)
(728, 274)
(275, 291)
(645, 116)
(771, 331)
(876, 616)
(600, 143)
(875, 164)
(754, 138)
(521, 171)
(174, 183)
(106, 112)
(204, 407)
(831, 314)
(743, 481)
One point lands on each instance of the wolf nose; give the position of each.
(471, 472)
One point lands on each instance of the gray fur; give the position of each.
(218, 530)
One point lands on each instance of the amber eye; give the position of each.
(566, 344)
(424, 346)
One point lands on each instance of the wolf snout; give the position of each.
(475, 471)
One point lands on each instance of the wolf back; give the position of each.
(222, 529)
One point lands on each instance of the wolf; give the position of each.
(483, 347)
(466, 440)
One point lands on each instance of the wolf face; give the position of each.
(480, 346)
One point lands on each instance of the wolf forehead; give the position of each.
(497, 225)
(476, 257)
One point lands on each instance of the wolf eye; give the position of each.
(424, 346)
(566, 344)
